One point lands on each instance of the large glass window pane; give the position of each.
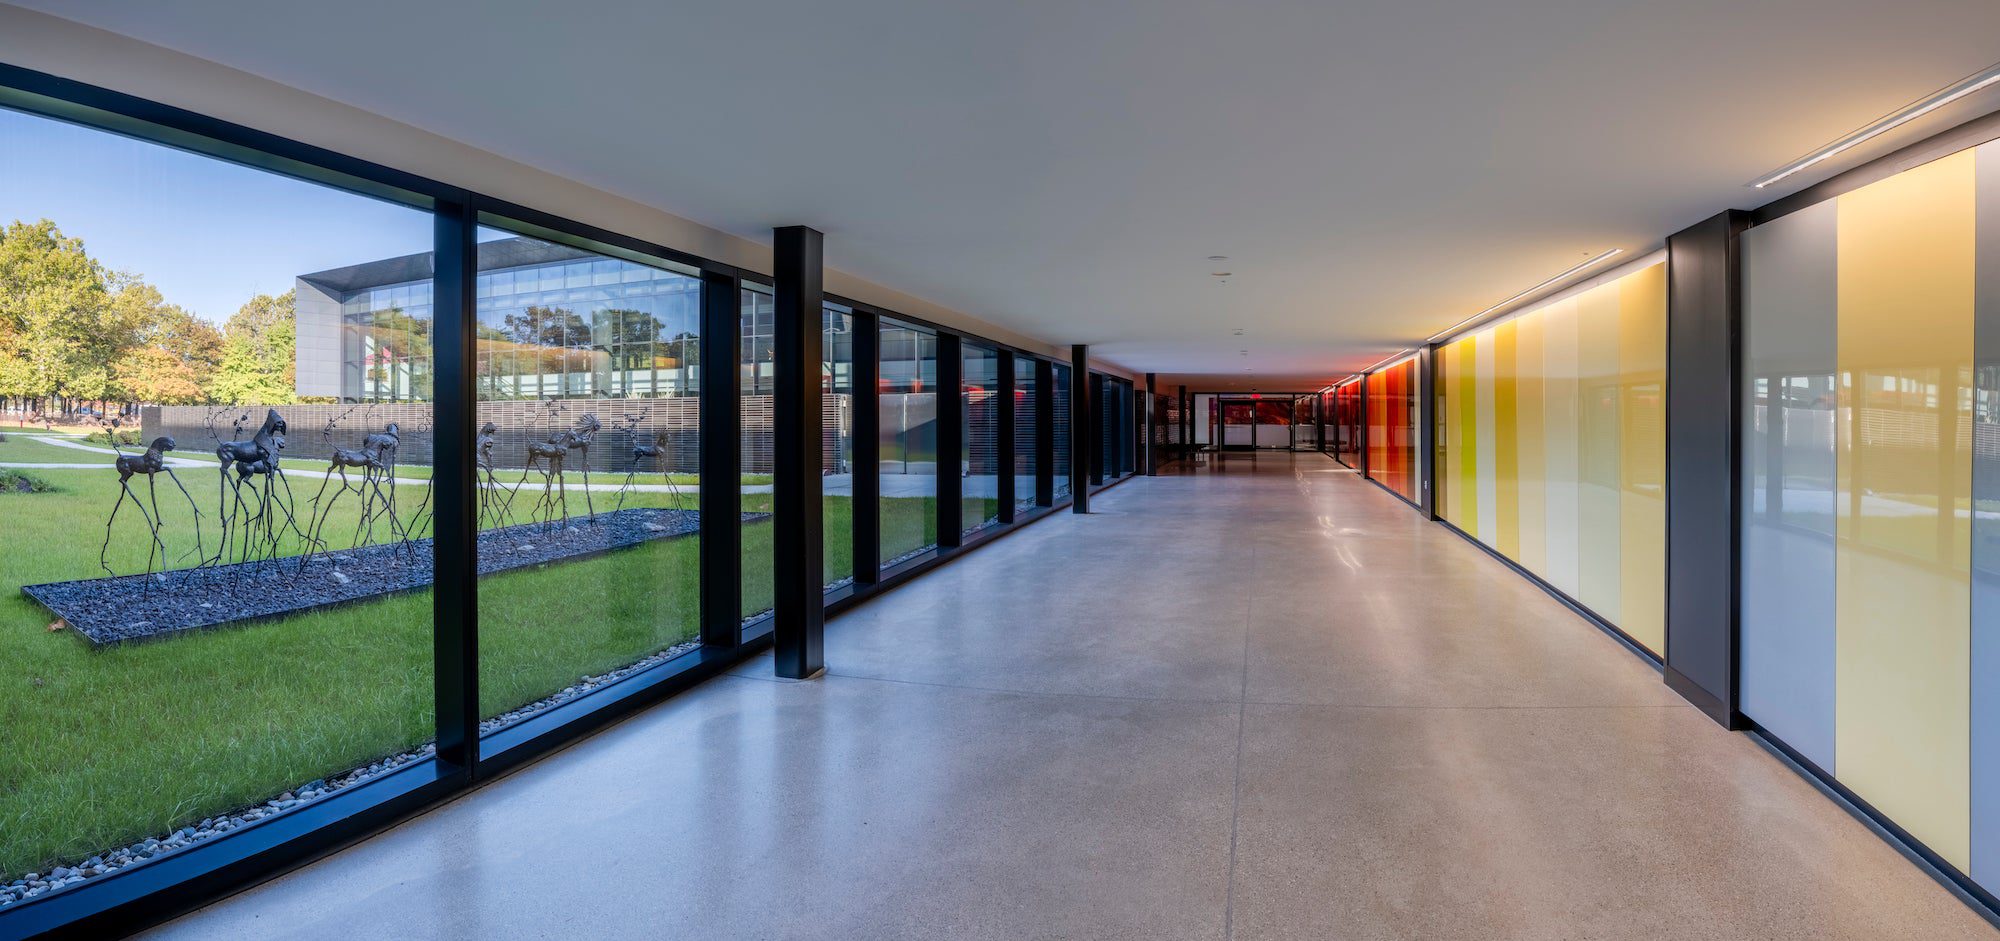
(200, 625)
(756, 374)
(979, 414)
(1027, 432)
(589, 548)
(1062, 431)
(908, 459)
(837, 428)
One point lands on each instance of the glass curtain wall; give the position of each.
(1061, 432)
(979, 411)
(172, 645)
(1027, 430)
(1347, 422)
(907, 458)
(590, 443)
(1553, 448)
(1871, 497)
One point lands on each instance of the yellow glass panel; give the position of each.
(1599, 515)
(1903, 472)
(1506, 535)
(1642, 445)
(1532, 455)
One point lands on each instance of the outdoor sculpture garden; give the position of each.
(260, 550)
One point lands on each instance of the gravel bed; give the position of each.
(37, 883)
(117, 609)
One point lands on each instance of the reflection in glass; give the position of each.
(979, 418)
(1062, 430)
(907, 454)
(1026, 431)
(588, 376)
(164, 306)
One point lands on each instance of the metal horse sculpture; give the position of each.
(257, 457)
(489, 487)
(369, 462)
(149, 464)
(578, 439)
(641, 454)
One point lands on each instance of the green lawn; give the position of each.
(105, 747)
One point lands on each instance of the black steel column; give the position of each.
(1045, 433)
(721, 460)
(1187, 424)
(866, 506)
(1003, 416)
(1704, 433)
(454, 554)
(1082, 418)
(950, 440)
(798, 608)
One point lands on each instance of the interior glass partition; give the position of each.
(1027, 430)
(979, 411)
(1553, 449)
(1870, 496)
(1392, 427)
(907, 457)
(216, 628)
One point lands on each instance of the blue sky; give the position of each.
(208, 234)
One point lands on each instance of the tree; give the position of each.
(58, 332)
(177, 358)
(259, 354)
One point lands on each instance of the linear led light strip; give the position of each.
(1391, 359)
(1906, 114)
(1590, 262)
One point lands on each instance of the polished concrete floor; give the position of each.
(1264, 700)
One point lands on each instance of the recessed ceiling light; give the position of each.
(1567, 272)
(1218, 258)
(1221, 274)
(1237, 332)
(1901, 116)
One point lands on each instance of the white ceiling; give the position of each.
(1374, 170)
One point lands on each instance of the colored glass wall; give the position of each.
(1552, 446)
(1392, 427)
(1869, 534)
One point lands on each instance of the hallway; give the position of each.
(1263, 700)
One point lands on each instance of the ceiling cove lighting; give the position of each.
(1566, 274)
(1390, 360)
(1889, 122)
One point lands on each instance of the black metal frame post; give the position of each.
(797, 569)
(721, 459)
(865, 507)
(455, 602)
(950, 440)
(1003, 419)
(1361, 446)
(1082, 422)
(1704, 362)
(1045, 433)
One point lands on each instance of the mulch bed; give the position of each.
(115, 610)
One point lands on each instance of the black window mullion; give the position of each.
(455, 532)
(865, 505)
(721, 459)
(950, 439)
